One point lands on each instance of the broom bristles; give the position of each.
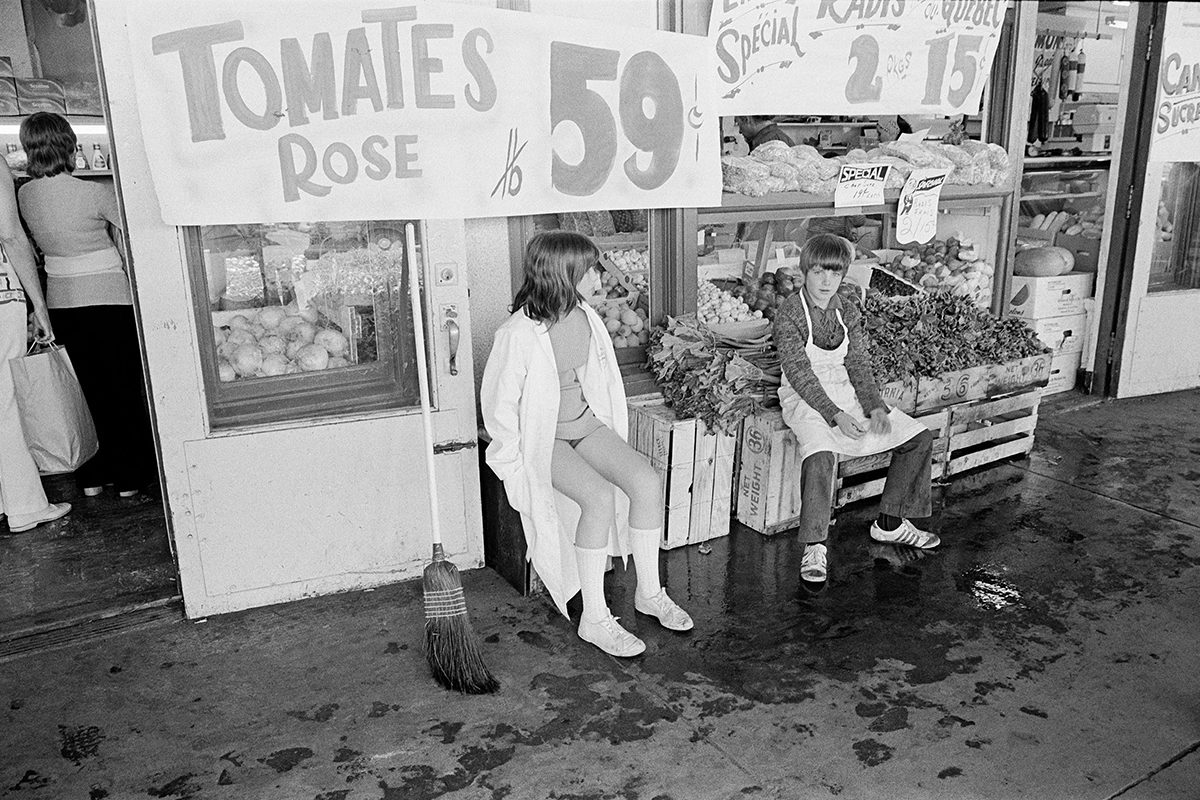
(451, 646)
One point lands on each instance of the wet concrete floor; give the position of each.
(1049, 649)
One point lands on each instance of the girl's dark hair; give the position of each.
(555, 263)
(49, 142)
(827, 251)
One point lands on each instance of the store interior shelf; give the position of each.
(789, 203)
(1049, 161)
(1060, 196)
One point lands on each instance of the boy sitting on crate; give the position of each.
(831, 402)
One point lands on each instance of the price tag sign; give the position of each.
(860, 185)
(277, 111)
(916, 218)
(874, 57)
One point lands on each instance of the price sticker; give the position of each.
(860, 185)
(916, 218)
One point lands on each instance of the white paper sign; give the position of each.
(1176, 135)
(853, 56)
(860, 185)
(278, 110)
(916, 217)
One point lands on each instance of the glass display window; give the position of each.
(627, 303)
(302, 320)
(1175, 261)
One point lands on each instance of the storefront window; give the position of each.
(303, 319)
(622, 237)
(1175, 263)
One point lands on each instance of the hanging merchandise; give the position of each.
(1039, 114)
(1066, 76)
(1080, 66)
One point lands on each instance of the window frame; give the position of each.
(299, 397)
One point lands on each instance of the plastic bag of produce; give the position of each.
(826, 167)
(744, 175)
(970, 168)
(55, 417)
(919, 154)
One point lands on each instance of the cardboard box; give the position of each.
(40, 94)
(1062, 334)
(1056, 296)
(1086, 251)
(1064, 371)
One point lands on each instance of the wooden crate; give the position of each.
(768, 490)
(901, 394)
(696, 469)
(863, 477)
(978, 383)
(992, 430)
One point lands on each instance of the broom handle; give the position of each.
(418, 318)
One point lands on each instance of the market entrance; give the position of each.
(112, 553)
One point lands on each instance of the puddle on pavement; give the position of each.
(988, 588)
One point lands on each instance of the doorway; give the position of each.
(111, 554)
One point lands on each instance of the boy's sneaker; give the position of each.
(906, 534)
(611, 637)
(813, 567)
(670, 615)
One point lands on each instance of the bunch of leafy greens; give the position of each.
(705, 377)
(929, 334)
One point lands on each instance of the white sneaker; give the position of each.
(18, 523)
(670, 615)
(812, 565)
(907, 533)
(611, 637)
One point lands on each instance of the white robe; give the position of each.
(520, 397)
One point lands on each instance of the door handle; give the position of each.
(452, 328)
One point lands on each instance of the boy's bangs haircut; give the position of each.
(827, 251)
(555, 263)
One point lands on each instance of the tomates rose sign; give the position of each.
(853, 56)
(279, 110)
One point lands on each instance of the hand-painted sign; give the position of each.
(853, 56)
(916, 217)
(1176, 134)
(860, 185)
(283, 111)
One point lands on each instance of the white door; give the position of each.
(1161, 351)
(283, 486)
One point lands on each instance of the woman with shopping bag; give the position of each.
(74, 221)
(21, 493)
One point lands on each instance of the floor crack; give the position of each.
(1177, 757)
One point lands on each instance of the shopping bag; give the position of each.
(55, 418)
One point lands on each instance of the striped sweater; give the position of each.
(791, 334)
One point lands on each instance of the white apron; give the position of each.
(813, 433)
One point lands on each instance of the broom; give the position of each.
(450, 643)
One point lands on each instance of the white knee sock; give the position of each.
(591, 565)
(645, 545)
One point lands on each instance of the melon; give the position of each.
(1043, 262)
(312, 358)
(274, 364)
(247, 360)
